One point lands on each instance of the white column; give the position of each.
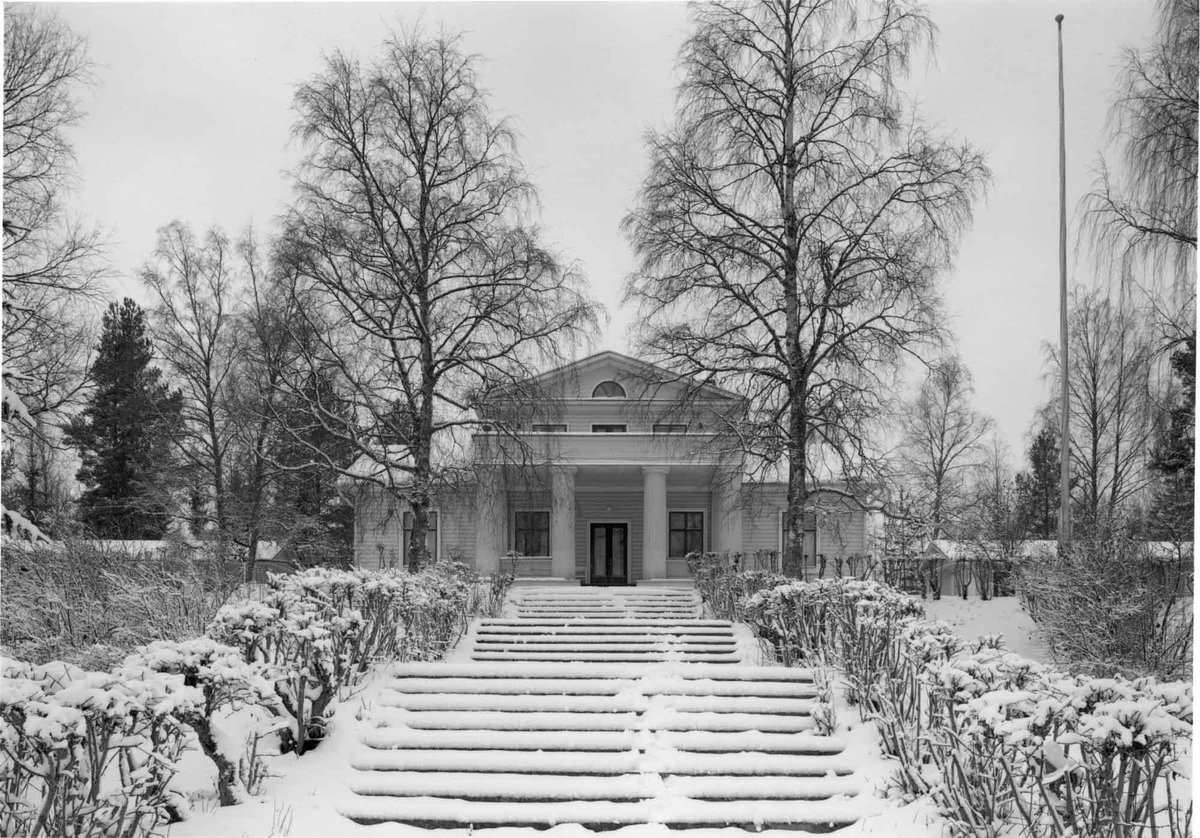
(491, 509)
(654, 522)
(562, 522)
(727, 510)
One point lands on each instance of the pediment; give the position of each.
(639, 380)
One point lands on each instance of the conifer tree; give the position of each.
(1037, 488)
(124, 434)
(1174, 457)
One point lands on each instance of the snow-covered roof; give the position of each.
(1040, 549)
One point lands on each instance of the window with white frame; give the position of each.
(531, 532)
(549, 428)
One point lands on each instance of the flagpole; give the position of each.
(1064, 486)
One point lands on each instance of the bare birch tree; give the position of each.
(193, 284)
(1142, 212)
(943, 439)
(794, 222)
(419, 276)
(51, 264)
(1112, 406)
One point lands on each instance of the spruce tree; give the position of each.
(1174, 457)
(125, 433)
(1037, 488)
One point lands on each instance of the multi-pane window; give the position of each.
(531, 533)
(609, 429)
(686, 533)
(431, 537)
(552, 428)
(669, 428)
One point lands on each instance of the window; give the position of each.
(608, 429)
(686, 534)
(608, 390)
(549, 429)
(531, 533)
(431, 537)
(664, 428)
(809, 543)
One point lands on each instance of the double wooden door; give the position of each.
(610, 554)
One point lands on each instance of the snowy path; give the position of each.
(600, 707)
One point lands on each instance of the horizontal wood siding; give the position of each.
(378, 522)
(457, 522)
(377, 525)
(590, 508)
(760, 528)
(678, 569)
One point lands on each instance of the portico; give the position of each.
(605, 523)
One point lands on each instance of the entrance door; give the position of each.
(610, 552)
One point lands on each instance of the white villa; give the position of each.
(617, 473)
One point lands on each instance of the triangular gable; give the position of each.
(639, 379)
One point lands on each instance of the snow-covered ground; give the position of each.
(973, 618)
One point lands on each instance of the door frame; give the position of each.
(628, 547)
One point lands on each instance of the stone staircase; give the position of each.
(603, 708)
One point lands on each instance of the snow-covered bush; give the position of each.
(89, 604)
(226, 681)
(1004, 745)
(843, 621)
(1057, 755)
(725, 579)
(87, 753)
(319, 630)
(1109, 604)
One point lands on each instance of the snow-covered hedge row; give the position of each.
(92, 753)
(320, 630)
(1003, 744)
(88, 753)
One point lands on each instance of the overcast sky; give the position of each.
(190, 120)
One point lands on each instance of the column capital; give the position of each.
(656, 469)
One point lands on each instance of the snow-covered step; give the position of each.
(628, 702)
(747, 764)
(817, 815)
(700, 741)
(624, 644)
(463, 785)
(663, 719)
(623, 629)
(601, 686)
(582, 636)
(558, 671)
(606, 657)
